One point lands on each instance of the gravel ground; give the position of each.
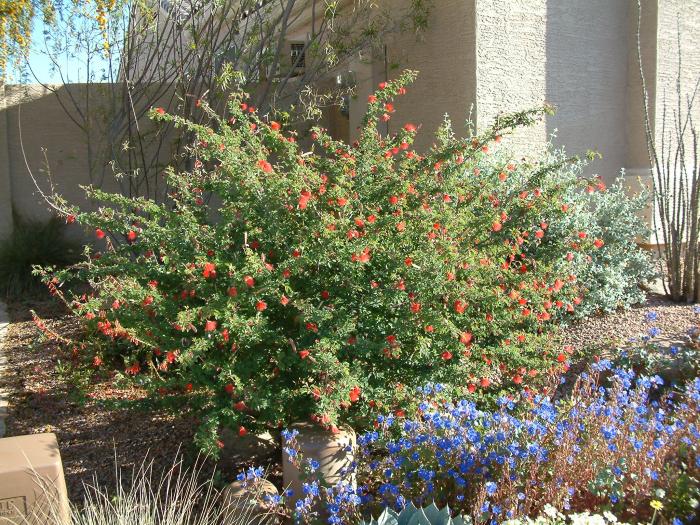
(620, 328)
(92, 436)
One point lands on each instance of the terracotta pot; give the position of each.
(329, 449)
(244, 505)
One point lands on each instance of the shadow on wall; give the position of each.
(45, 130)
(586, 78)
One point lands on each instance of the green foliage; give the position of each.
(613, 274)
(32, 243)
(280, 284)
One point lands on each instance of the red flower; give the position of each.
(371, 99)
(242, 431)
(496, 226)
(160, 111)
(582, 235)
(229, 388)
(446, 356)
(284, 300)
(240, 406)
(459, 306)
(393, 200)
(304, 199)
(99, 234)
(209, 270)
(410, 128)
(304, 354)
(296, 253)
(210, 326)
(598, 243)
(382, 85)
(96, 361)
(325, 294)
(408, 261)
(354, 394)
(260, 306)
(415, 307)
(484, 382)
(249, 281)
(518, 379)
(232, 291)
(148, 300)
(539, 234)
(265, 166)
(275, 125)
(465, 338)
(131, 236)
(430, 328)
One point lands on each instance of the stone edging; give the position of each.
(4, 326)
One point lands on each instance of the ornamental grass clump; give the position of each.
(279, 284)
(604, 448)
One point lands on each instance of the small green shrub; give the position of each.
(336, 280)
(33, 243)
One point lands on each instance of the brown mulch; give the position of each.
(94, 436)
(622, 328)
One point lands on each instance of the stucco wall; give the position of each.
(586, 68)
(511, 64)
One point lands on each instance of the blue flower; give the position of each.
(491, 488)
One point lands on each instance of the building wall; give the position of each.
(586, 67)
(511, 62)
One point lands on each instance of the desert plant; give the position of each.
(280, 284)
(148, 493)
(603, 448)
(412, 515)
(674, 156)
(33, 243)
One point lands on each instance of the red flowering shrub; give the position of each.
(279, 284)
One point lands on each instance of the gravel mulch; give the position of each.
(93, 436)
(620, 328)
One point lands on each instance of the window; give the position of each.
(298, 56)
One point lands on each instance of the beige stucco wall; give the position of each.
(511, 65)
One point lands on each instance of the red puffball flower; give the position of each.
(582, 235)
(284, 300)
(249, 281)
(265, 166)
(355, 394)
(539, 234)
(465, 338)
(325, 294)
(96, 361)
(232, 291)
(240, 406)
(484, 382)
(496, 226)
(275, 125)
(242, 431)
(446, 356)
(99, 234)
(210, 326)
(382, 85)
(148, 300)
(160, 111)
(304, 354)
(229, 388)
(410, 128)
(415, 307)
(371, 99)
(408, 261)
(209, 271)
(131, 236)
(459, 306)
(393, 200)
(518, 379)
(598, 243)
(304, 198)
(561, 358)
(70, 219)
(261, 306)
